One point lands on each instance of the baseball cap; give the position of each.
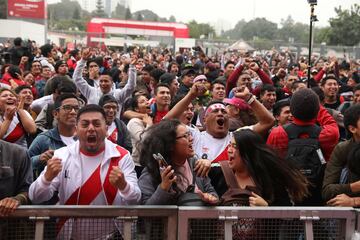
(237, 102)
(188, 71)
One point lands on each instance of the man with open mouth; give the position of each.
(91, 171)
(211, 144)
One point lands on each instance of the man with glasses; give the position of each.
(117, 131)
(42, 149)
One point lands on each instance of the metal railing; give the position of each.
(266, 223)
(91, 222)
(172, 222)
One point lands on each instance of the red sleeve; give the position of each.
(319, 75)
(278, 140)
(329, 135)
(232, 79)
(264, 77)
(6, 79)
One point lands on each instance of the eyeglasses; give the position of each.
(69, 108)
(186, 135)
(110, 107)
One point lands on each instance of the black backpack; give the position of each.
(306, 155)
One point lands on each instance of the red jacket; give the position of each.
(232, 79)
(328, 138)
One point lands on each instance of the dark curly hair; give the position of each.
(14, 71)
(159, 138)
(270, 173)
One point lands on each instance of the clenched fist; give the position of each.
(54, 167)
(117, 178)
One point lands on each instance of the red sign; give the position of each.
(26, 9)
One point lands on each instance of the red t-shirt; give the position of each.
(159, 116)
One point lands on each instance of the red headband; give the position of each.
(213, 107)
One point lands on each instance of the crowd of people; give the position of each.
(95, 126)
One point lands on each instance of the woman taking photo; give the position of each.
(269, 180)
(168, 182)
(15, 122)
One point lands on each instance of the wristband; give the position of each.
(251, 100)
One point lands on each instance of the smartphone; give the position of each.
(161, 160)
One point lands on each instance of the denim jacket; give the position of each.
(43, 142)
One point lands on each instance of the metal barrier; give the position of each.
(91, 222)
(266, 223)
(171, 222)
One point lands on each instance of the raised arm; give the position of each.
(264, 117)
(122, 94)
(80, 82)
(232, 79)
(198, 89)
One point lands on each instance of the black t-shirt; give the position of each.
(333, 105)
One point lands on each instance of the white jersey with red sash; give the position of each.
(16, 132)
(208, 147)
(77, 186)
(112, 133)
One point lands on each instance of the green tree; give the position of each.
(66, 10)
(345, 26)
(3, 12)
(198, 29)
(99, 11)
(297, 32)
(322, 35)
(128, 14)
(140, 17)
(259, 27)
(119, 12)
(172, 19)
(235, 33)
(76, 14)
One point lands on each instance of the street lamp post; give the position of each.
(313, 18)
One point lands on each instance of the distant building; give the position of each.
(109, 5)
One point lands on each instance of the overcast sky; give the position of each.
(229, 12)
(232, 11)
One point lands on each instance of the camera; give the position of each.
(312, 2)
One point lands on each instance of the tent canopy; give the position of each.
(241, 46)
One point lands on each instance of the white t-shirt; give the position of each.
(16, 133)
(208, 147)
(67, 140)
(91, 163)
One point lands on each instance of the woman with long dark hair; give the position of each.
(15, 122)
(257, 168)
(165, 182)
